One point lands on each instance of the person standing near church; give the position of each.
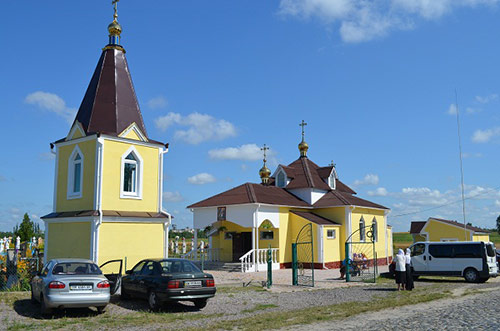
(409, 277)
(400, 269)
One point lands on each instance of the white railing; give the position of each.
(209, 255)
(256, 260)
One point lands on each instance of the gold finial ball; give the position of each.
(264, 172)
(115, 28)
(303, 147)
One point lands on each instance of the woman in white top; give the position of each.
(400, 269)
(409, 276)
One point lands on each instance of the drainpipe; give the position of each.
(100, 146)
(166, 225)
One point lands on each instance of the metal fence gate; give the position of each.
(361, 256)
(303, 257)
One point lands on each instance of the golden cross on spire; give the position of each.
(265, 148)
(303, 124)
(115, 3)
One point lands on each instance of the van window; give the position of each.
(417, 250)
(465, 251)
(440, 251)
(490, 250)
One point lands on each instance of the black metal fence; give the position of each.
(16, 272)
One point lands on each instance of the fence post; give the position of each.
(295, 279)
(347, 262)
(269, 268)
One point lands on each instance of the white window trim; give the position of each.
(334, 234)
(69, 193)
(332, 180)
(140, 166)
(362, 219)
(135, 128)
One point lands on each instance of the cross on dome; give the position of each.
(303, 146)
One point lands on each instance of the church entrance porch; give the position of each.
(242, 243)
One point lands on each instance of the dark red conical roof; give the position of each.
(110, 104)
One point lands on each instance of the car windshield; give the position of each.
(490, 250)
(76, 268)
(176, 266)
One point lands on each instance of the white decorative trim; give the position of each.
(70, 194)
(77, 126)
(139, 174)
(128, 141)
(321, 255)
(56, 174)
(75, 141)
(135, 128)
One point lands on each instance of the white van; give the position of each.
(475, 261)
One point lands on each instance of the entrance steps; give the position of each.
(220, 266)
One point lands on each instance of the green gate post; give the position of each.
(295, 278)
(269, 268)
(202, 261)
(347, 271)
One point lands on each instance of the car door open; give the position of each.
(112, 270)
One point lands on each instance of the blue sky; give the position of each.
(375, 82)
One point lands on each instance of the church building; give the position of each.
(108, 173)
(245, 221)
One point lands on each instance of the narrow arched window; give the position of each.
(375, 230)
(331, 180)
(131, 174)
(75, 174)
(362, 233)
(281, 179)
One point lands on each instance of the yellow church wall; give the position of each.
(336, 214)
(132, 135)
(133, 241)
(439, 231)
(368, 216)
(298, 223)
(419, 237)
(226, 245)
(390, 247)
(331, 247)
(68, 240)
(285, 236)
(481, 237)
(86, 202)
(113, 152)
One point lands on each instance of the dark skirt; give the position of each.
(409, 278)
(400, 277)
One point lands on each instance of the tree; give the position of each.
(27, 229)
(498, 224)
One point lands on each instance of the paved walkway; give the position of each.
(283, 277)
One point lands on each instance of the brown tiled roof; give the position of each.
(416, 227)
(252, 193)
(324, 172)
(110, 103)
(339, 186)
(82, 213)
(314, 218)
(468, 227)
(337, 198)
(306, 175)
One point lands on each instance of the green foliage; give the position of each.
(27, 229)
(6, 234)
(498, 224)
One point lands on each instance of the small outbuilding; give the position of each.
(437, 229)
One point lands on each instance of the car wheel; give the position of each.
(44, 310)
(200, 303)
(153, 301)
(101, 309)
(471, 275)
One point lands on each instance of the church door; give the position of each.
(242, 243)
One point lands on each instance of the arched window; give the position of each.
(375, 230)
(362, 232)
(331, 180)
(131, 174)
(281, 179)
(75, 174)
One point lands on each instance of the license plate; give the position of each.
(193, 283)
(80, 287)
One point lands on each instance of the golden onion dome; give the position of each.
(264, 172)
(115, 28)
(303, 147)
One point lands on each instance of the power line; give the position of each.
(460, 156)
(446, 204)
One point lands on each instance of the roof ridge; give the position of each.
(307, 172)
(251, 193)
(341, 197)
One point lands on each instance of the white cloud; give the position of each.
(379, 192)
(53, 103)
(487, 99)
(248, 152)
(484, 136)
(158, 102)
(200, 127)
(172, 197)
(497, 203)
(362, 20)
(452, 110)
(472, 111)
(201, 179)
(369, 179)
